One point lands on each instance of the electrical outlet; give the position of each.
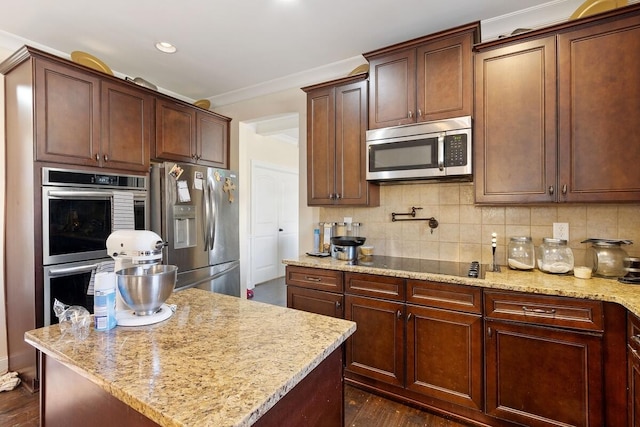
(561, 230)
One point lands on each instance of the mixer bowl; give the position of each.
(145, 288)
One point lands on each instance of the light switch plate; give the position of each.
(561, 230)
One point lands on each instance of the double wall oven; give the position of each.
(79, 211)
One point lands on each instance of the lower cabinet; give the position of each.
(315, 290)
(633, 370)
(483, 356)
(544, 360)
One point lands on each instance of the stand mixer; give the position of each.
(136, 248)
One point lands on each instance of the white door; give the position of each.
(274, 221)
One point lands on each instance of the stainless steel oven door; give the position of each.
(68, 283)
(77, 221)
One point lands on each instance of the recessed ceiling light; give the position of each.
(166, 47)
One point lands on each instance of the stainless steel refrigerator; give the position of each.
(195, 210)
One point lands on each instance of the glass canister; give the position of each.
(606, 259)
(521, 253)
(554, 256)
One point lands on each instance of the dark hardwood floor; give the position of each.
(19, 408)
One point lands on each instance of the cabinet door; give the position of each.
(633, 361)
(540, 376)
(444, 355)
(175, 131)
(598, 112)
(321, 152)
(376, 349)
(444, 78)
(212, 140)
(126, 127)
(350, 129)
(314, 301)
(515, 123)
(67, 115)
(393, 89)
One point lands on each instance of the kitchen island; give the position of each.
(218, 361)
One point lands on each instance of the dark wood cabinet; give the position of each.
(424, 79)
(186, 134)
(315, 290)
(336, 152)
(444, 343)
(553, 117)
(82, 119)
(544, 360)
(633, 370)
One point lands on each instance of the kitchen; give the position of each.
(465, 230)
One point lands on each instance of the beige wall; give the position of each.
(464, 233)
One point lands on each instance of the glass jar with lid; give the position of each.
(521, 253)
(606, 258)
(555, 256)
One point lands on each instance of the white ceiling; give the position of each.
(231, 49)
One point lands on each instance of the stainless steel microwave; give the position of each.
(438, 149)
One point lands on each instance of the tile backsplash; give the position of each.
(464, 230)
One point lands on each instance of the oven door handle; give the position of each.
(66, 271)
(68, 194)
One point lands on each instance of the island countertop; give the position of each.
(533, 281)
(219, 360)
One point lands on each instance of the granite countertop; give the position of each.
(533, 281)
(219, 360)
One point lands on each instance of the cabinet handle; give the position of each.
(410, 114)
(330, 196)
(489, 332)
(97, 157)
(551, 190)
(538, 310)
(337, 196)
(399, 314)
(106, 158)
(338, 305)
(313, 279)
(564, 189)
(409, 316)
(419, 112)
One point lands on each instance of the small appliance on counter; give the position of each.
(345, 248)
(143, 284)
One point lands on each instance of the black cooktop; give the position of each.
(417, 265)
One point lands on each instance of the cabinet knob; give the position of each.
(97, 157)
(419, 112)
(551, 190)
(106, 158)
(410, 114)
(399, 314)
(337, 196)
(338, 305)
(564, 189)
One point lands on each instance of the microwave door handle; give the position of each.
(441, 152)
(66, 271)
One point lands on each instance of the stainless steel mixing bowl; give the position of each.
(145, 288)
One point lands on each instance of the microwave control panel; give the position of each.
(455, 150)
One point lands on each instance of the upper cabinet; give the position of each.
(425, 79)
(189, 134)
(83, 120)
(336, 127)
(556, 111)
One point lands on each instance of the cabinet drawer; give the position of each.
(462, 298)
(314, 301)
(633, 331)
(315, 278)
(544, 310)
(375, 286)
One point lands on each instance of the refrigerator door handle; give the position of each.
(214, 213)
(206, 220)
